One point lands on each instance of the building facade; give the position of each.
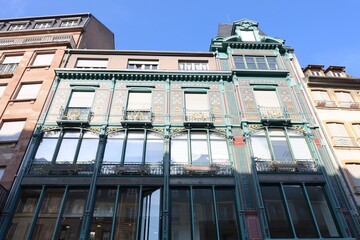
(179, 145)
(336, 98)
(30, 50)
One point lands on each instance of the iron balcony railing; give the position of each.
(324, 103)
(74, 115)
(3, 197)
(65, 169)
(295, 166)
(44, 39)
(198, 116)
(131, 169)
(8, 68)
(344, 141)
(273, 113)
(138, 115)
(203, 169)
(350, 104)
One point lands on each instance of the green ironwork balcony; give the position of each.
(74, 116)
(131, 169)
(296, 166)
(142, 117)
(8, 69)
(201, 170)
(198, 118)
(65, 169)
(273, 115)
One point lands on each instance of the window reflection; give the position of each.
(134, 147)
(114, 147)
(179, 148)
(154, 148)
(150, 217)
(89, 144)
(199, 148)
(47, 147)
(180, 214)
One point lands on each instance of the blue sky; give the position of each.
(322, 32)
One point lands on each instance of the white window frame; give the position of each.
(196, 65)
(246, 63)
(18, 26)
(135, 64)
(2, 89)
(70, 22)
(44, 24)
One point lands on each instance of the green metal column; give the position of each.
(166, 172)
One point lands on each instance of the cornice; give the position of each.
(75, 74)
(333, 82)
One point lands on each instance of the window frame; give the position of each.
(50, 21)
(77, 20)
(133, 64)
(204, 65)
(266, 134)
(89, 60)
(26, 84)
(356, 188)
(2, 89)
(18, 134)
(189, 153)
(12, 65)
(23, 23)
(36, 54)
(61, 134)
(255, 61)
(348, 130)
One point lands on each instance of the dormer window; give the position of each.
(43, 25)
(17, 26)
(69, 23)
(337, 74)
(316, 73)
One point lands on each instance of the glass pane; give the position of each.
(28, 91)
(10, 131)
(113, 149)
(300, 212)
(250, 62)
(239, 62)
(88, 148)
(139, 101)
(278, 221)
(180, 221)
(280, 146)
(24, 214)
(179, 149)
(354, 170)
(73, 213)
(199, 148)
(196, 101)
(103, 214)
(272, 63)
(68, 147)
(225, 206)
(266, 98)
(127, 212)
(150, 218)
(46, 220)
(46, 150)
(260, 148)
(219, 150)
(322, 212)
(154, 148)
(300, 148)
(134, 147)
(261, 63)
(81, 99)
(204, 221)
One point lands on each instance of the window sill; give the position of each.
(39, 66)
(6, 75)
(31, 100)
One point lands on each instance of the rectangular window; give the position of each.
(143, 64)
(266, 98)
(354, 171)
(255, 62)
(92, 63)
(81, 99)
(340, 135)
(139, 101)
(69, 23)
(322, 98)
(17, 27)
(197, 107)
(2, 89)
(193, 65)
(288, 205)
(43, 59)
(345, 99)
(134, 147)
(9, 64)
(10, 131)
(2, 170)
(43, 25)
(28, 91)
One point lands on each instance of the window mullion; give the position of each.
(36, 214)
(311, 210)
(209, 146)
(138, 221)
(57, 148)
(61, 210)
(144, 146)
(289, 145)
(80, 138)
(192, 213)
(188, 141)
(287, 209)
(113, 225)
(268, 140)
(215, 213)
(122, 158)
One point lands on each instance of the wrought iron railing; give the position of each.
(350, 104)
(75, 114)
(8, 68)
(139, 115)
(273, 113)
(83, 169)
(3, 197)
(204, 169)
(344, 141)
(131, 169)
(299, 166)
(324, 103)
(44, 39)
(198, 116)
